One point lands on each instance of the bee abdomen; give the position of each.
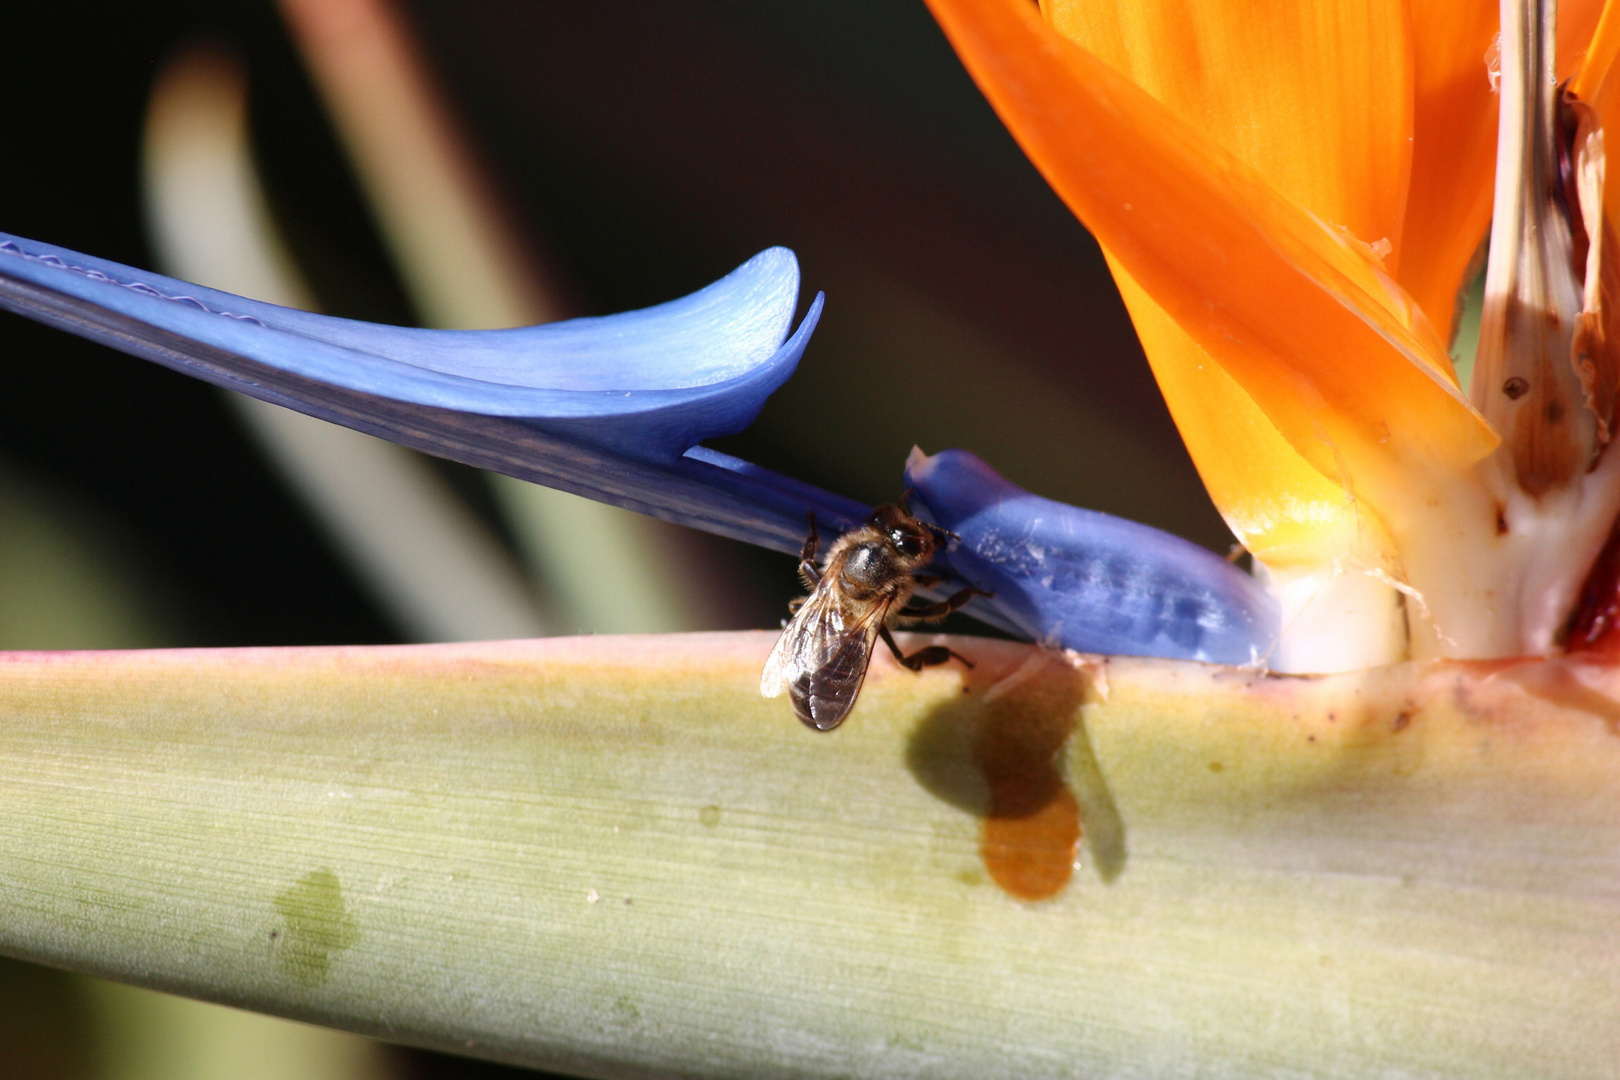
(815, 705)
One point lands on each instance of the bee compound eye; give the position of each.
(909, 542)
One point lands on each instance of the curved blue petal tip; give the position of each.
(648, 383)
(1089, 581)
(611, 408)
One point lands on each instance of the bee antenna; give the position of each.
(905, 499)
(931, 527)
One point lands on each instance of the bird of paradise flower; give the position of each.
(1296, 319)
(1291, 201)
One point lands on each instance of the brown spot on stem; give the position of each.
(1501, 520)
(1402, 721)
(1529, 323)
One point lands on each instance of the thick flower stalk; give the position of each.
(611, 856)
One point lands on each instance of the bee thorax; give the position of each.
(869, 567)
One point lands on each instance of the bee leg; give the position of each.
(945, 606)
(928, 656)
(807, 557)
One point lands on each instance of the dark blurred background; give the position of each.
(646, 148)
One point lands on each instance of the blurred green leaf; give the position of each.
(65, 583)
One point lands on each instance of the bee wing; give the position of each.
(821, 659)
(788, 656)
(823, 696)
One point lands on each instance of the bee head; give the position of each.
(910, 537)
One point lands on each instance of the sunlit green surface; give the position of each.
(611, 855)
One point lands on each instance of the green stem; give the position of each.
(612, 856)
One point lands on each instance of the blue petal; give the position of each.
(649, 383)
(610, 408)
(614, 409)
(1087, 580)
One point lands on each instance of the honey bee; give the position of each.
(855, 596)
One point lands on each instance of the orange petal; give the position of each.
(1454, 151)
(1300, 319)
(1317, 98)
(1599, 58)
(1281, 508)
(1577, 19)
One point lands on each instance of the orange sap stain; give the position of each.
(1031, 831)
(1032, 858)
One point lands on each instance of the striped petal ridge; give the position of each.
(1093, 582)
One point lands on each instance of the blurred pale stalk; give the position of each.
(427, 559)
(464, 264)
(462, 258)
(615, 579)
(612, 856)
(142, 1035)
